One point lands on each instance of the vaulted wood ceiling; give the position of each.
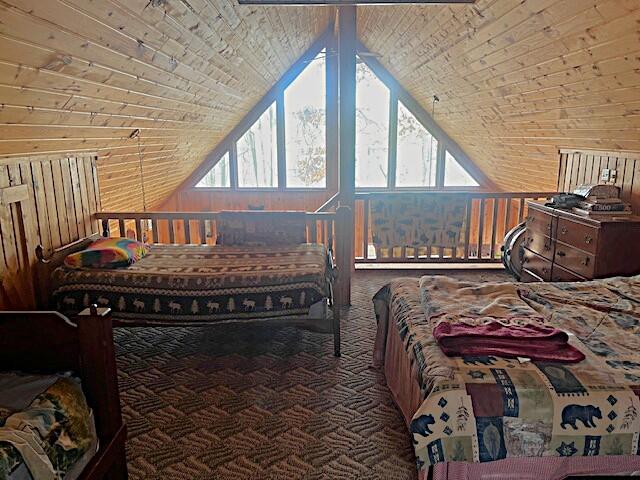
(516, 79)
(81, 75)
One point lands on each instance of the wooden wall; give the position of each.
(518, 79)
(62, 197)
(81, 76)
(578, 167)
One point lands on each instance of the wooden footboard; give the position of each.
(49, 342)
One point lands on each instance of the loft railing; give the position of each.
(489, 216)
(200, 228)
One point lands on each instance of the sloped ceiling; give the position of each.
(518, 79)
(82, 75)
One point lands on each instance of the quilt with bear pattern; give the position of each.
(480, 409)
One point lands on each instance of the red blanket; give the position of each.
(537, 342)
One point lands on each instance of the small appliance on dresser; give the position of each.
(562, 245)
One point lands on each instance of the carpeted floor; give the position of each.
(207, 403)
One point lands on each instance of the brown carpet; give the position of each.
(239, 403)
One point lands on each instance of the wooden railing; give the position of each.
(489, 216)
(200, 228)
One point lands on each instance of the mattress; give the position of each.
(203, 283)
(46, 428)
(495, 415)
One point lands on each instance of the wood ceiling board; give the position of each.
(518, 79)
(79, 76)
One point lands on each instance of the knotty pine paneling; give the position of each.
(62, 197)
(518, 79)
(81, 76)
(579, 167)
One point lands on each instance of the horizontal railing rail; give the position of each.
(197, 227)
(488, 217)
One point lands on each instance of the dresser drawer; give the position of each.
(578, 235)
(559, 274)
(540, 221)
(537, 265)
(575, 260)
(539, 243)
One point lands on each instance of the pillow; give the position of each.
(108, 253)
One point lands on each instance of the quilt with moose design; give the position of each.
(196, 283)
(480, 409)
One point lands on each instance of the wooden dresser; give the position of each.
(562, 246)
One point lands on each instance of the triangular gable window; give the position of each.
(398, 143)
(218, 176)
(289, 136)
(455, 175)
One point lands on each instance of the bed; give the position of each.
(257, 273)
(59, 403)
(471, 417)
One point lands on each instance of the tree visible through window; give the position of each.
(372, 128)
(417, 152)
(257, 153)
(305, 106)
(393, 146)
(218, 176)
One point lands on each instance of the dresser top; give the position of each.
(596, 221)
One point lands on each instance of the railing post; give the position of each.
(344, 258)
(105, 227)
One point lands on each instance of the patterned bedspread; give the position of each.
(45, 427)
(480, 409)
(203, 283)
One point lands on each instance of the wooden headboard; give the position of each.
(46, 265)
(579, 167)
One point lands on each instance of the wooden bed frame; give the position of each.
(48, 342)
(46, 265)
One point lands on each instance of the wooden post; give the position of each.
(344, 251)
(347, 140)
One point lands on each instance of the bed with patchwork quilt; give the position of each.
(190, 284)
(46, 428)
(487, 415)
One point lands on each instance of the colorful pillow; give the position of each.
(108, 253)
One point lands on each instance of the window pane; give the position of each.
(257, 155)
(372, 128)
(218, 176)
(305, 126)
(417, 152)
(455, 175)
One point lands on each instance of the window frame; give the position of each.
(397, 94)
(276, 95)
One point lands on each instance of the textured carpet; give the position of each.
(239, 403)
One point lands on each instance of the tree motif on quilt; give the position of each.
(417, 222)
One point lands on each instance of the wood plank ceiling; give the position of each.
(81, 75)
(518, 79)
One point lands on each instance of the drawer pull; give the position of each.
(547, 246)
(588, 239)
(564, 231)
(585, 261)
(545, 270)
(561, 253)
